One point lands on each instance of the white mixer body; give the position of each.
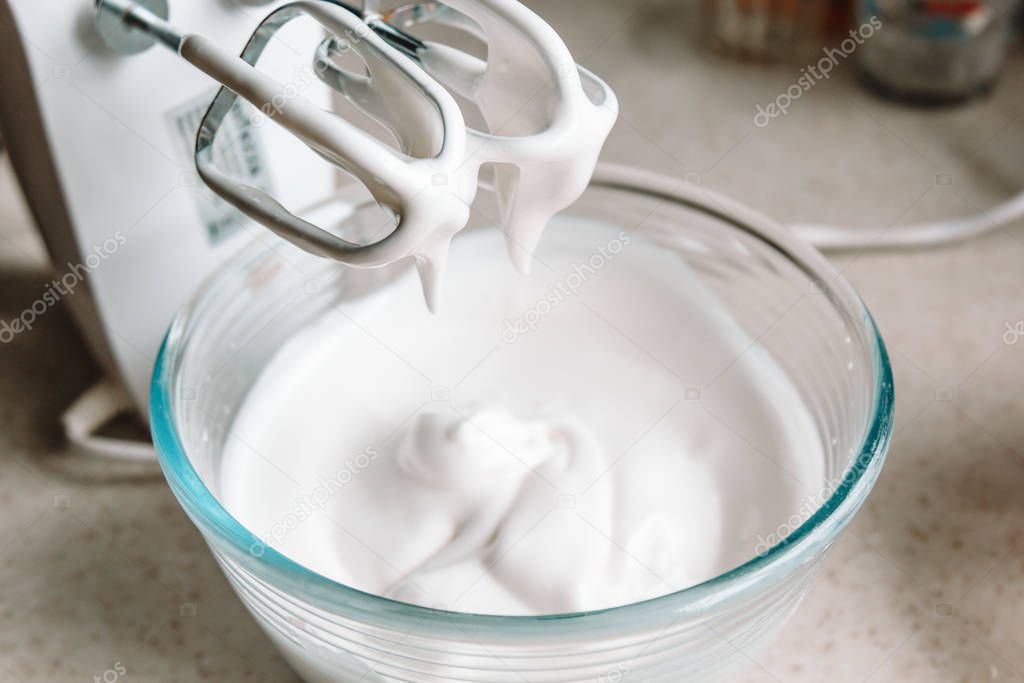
(103, 148)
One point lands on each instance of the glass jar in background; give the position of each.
(774, 30)
(935, 51)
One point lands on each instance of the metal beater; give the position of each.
(562, 114)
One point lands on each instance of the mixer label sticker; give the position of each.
(237, 152)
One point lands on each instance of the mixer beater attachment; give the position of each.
(546, 119)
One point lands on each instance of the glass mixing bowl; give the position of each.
(782, 292)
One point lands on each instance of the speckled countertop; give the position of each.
(101, 571)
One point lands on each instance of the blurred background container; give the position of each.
(926, 51)
(774, 30)
(936, 51)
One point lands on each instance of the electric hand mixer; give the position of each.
(83, 131)
(431, 181)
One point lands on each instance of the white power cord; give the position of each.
(90, 411)
(827, 237)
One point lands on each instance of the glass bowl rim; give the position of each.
(816, 532)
